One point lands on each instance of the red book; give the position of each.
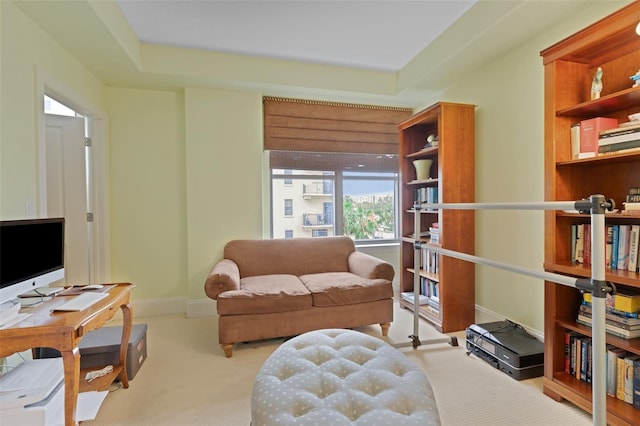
(590, 132)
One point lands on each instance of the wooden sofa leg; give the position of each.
(385, 328)
(228, 349)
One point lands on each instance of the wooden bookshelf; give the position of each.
(452, 173)
(569, 66)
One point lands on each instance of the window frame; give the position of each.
(338, 177)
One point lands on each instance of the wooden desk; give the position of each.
(63, 331)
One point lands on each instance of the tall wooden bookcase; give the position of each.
(569, 67)
(452, 173)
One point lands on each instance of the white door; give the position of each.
(66, 191)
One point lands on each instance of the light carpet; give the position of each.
(187, 381)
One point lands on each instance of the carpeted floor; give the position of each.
(187, 381)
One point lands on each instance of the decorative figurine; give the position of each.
(636, 79)
(432, 141)
(596, 85)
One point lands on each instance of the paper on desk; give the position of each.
(88, 404)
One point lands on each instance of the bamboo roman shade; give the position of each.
(304, 125)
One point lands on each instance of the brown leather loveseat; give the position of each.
(285, 287)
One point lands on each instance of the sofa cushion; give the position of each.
(345, 288)
(265, 294)
(294, 256)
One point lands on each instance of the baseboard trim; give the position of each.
(485, 315)
(154, 307)
(172, 306)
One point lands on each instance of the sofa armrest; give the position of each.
(367, 266)
(224, 276)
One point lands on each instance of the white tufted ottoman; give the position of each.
(341, 377)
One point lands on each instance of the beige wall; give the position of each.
(30, 59)
(187, 174)
(147, 192)
(224, 173)
(509, 94)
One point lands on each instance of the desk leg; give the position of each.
(71, 361)
(124, 344)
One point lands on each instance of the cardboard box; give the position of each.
(102, 347)
(590, 132)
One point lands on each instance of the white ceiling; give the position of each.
(374, 35)
(399, 52)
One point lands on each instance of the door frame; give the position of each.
(97, 124)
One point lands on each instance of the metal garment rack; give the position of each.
(596, 206)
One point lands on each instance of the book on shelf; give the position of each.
(634, 240)
(578, 355)
(627, 300)
(614, 247)
(585, 356)
(619, 146)
(620, 364)
(586, 245)
(608, 246)
(631, 205)
(569, 336)
(636, 383)
(622, 128)
(611, 329)
(613, 315)
(633, 196)
(613, 354)
(590, 132)
(578, 243)
(610, 309)
(608, 320)
(629, 361)
(624, 232)
(408, 296)
(618, 134)
(430, 261)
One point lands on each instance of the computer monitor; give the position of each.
(31, 255)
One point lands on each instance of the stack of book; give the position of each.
(632, 201)
(434, 230)
(622, 314)
(620, 138)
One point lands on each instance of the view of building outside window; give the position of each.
(369, 205)
(304, 204)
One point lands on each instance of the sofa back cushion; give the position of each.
(295, 256)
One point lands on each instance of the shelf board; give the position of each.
(425, 274)
(430, 181)
(100, 383)
(423, 211)
(631, 345)
(613, 102)
(621, 157)
(426, 152)
(584, 391)
(632, 215)
(424, 312)
(580, 270)
(425, 242)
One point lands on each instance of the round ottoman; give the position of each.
(341, 377)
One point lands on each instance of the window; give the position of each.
(335, 194)
(288, 207)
